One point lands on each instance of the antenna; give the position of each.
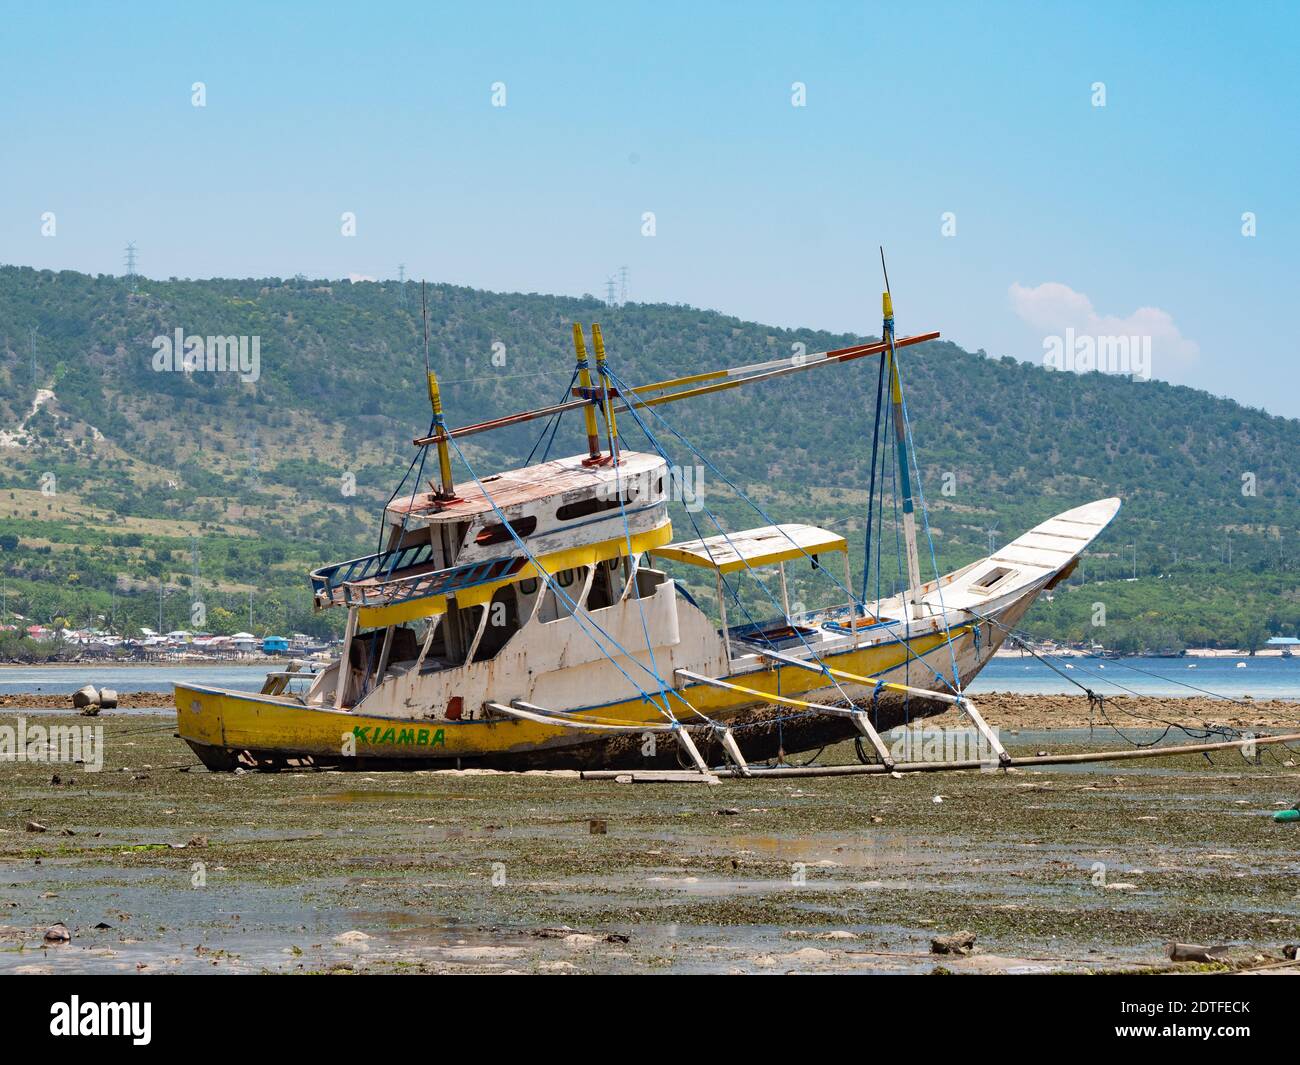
(884, 269)
(424, 315)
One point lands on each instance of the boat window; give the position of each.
(991, 578)
(558, 600)
(604, 591)
(591, 505)
(497, 533)
(502, 623)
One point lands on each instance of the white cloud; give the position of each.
(1056, 308)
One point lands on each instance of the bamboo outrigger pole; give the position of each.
(721, 380)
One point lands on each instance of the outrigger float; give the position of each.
(526, 620)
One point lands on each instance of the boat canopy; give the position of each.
(764, 546)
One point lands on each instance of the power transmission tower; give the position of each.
(31, 351)
(610, 299)
(194, 579)
(130, 264)
(401, 284)
(622, 281)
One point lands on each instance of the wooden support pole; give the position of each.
(733, 751)
(684, 738)
(990, 737)
(757, 773)
(344, 675)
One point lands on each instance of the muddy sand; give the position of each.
(155, 865)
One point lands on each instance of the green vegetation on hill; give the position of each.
(126, 471)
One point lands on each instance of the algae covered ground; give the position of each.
(155, 865)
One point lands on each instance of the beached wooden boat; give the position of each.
(527, 620)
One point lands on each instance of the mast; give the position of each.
(611, 424)
(913, 593)
(584, 380)
(447, 490)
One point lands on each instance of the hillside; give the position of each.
(114, 475)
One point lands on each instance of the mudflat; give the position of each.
(155, 865)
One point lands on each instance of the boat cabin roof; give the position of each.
(528, 484)
(728, 552)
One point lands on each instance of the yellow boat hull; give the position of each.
(226, 727)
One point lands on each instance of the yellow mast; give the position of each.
(440, 439)
(598, 342)
(448, 490)
(913, 594)
(584, 381)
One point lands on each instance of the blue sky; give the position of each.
(1106, 220)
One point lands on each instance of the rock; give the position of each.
(617, 937)
(962, 942)
(553, 933)
(197, 841)
(58, 933)
(580, 941)
(107, 699)
(838, 934)
(35, 826)
(728, 811)
(85, 696)
(597, 826)
(808, 955)
(351, 937)
(1194, 952)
